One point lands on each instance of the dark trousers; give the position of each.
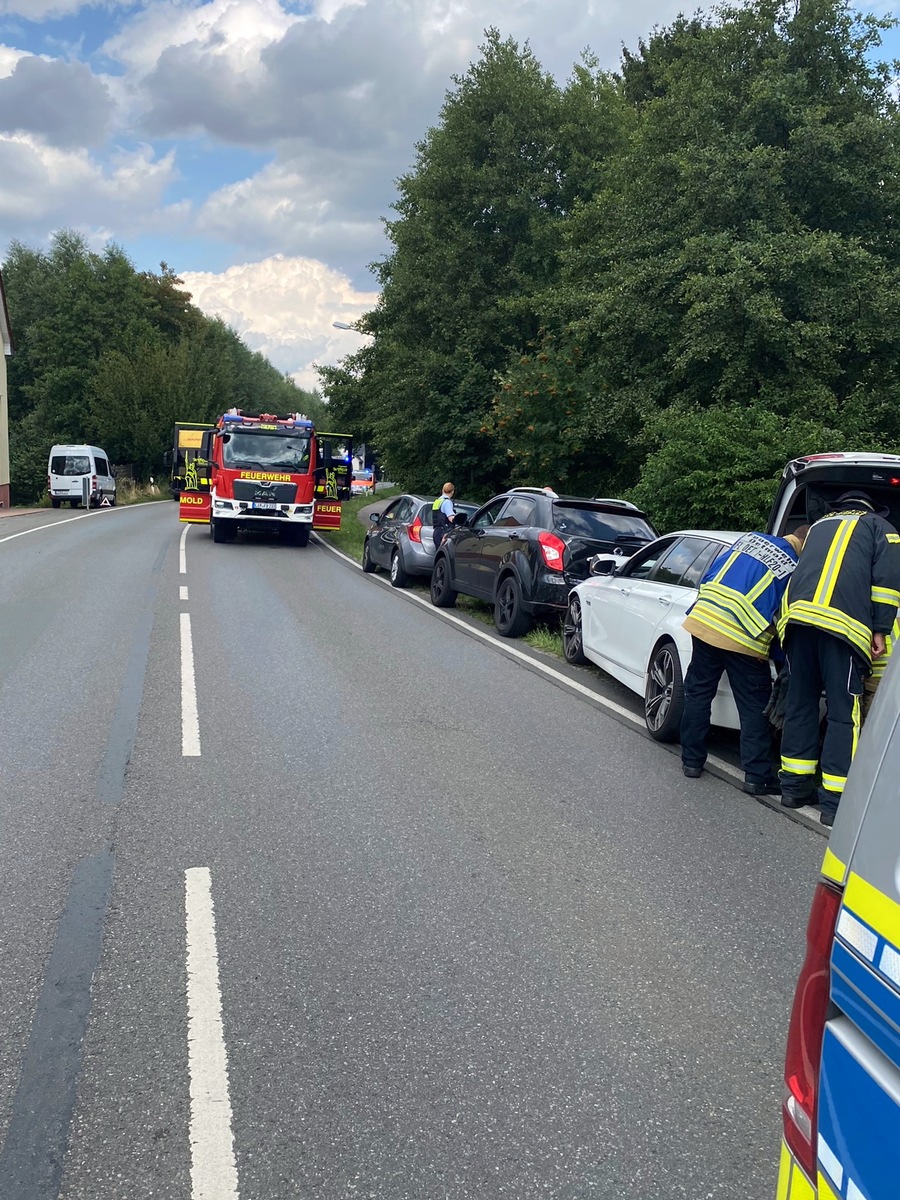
(751, 683)
(820, 662)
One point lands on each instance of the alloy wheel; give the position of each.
(660, 688)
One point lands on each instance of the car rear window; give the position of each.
(578, 521)
(426, 512)
(70, 464)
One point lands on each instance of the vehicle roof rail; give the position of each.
(617, 503)
(535, 491)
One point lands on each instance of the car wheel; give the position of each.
(442, 594)
(367, 565)
(75, 503)
(510, 618)
(55, 501)
(399, 577)
(664, 694)
(572, 634)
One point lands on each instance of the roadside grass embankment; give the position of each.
(127, 492)
(352, 534)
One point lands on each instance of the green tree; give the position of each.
(743, 250)
(475, 238)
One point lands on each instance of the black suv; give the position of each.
(524, 550)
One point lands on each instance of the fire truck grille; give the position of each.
(277, 493)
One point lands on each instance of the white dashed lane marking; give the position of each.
(190, 724)
(213, 1167)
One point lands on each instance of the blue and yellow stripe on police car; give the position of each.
(792, 1183)
(877, 910)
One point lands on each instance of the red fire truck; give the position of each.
(268, 472)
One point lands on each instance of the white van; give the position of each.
(69, 466)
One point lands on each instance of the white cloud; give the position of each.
(8, 59)
(43, 187)
(40, 10)
(284, 307)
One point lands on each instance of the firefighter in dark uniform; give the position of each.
(839, 608)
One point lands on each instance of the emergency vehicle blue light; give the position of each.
(229, 417)
(303, 424)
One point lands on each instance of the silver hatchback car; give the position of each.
(400, 538)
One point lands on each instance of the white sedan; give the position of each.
(627, 618)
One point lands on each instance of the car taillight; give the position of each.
(93, 483)
(552, 550)
(415, 530)
(807, 1030)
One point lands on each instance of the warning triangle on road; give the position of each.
(104, 503)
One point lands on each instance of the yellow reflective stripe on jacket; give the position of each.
(799, 766)
(832, 620)
(833, 560)
(729, 562)
(729, 598)
(833, 868)
(874, 907)
(893, 537)
(710, 617)
(758, 588)
(879, 665)
(883, 595)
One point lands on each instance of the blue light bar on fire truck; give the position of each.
(293, 422)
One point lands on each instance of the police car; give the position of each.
(841, 1109)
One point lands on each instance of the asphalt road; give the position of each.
(469, 935)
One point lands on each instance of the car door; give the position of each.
(605, 608)
(466, 546)
(384, 538)
(661, 596)
(504, 537)
(104, 477)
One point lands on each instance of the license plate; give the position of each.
(259, 504)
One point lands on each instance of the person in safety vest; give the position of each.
(444, 514)
(731, 624)
(838, 611)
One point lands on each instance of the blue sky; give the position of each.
(253, 144)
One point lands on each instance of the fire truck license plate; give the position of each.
(263, 504)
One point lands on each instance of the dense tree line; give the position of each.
(662, 282)
(114, 357)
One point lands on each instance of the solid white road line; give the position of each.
(182, 554)
(182, 593)
(56, 524)
(213, 1168)
(190, 725)
(557, 676)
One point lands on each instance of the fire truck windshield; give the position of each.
(266, 451)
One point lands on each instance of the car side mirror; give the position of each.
(375, 518)
(602, 565)
(461, 519)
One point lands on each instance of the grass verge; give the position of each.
(352, 533)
